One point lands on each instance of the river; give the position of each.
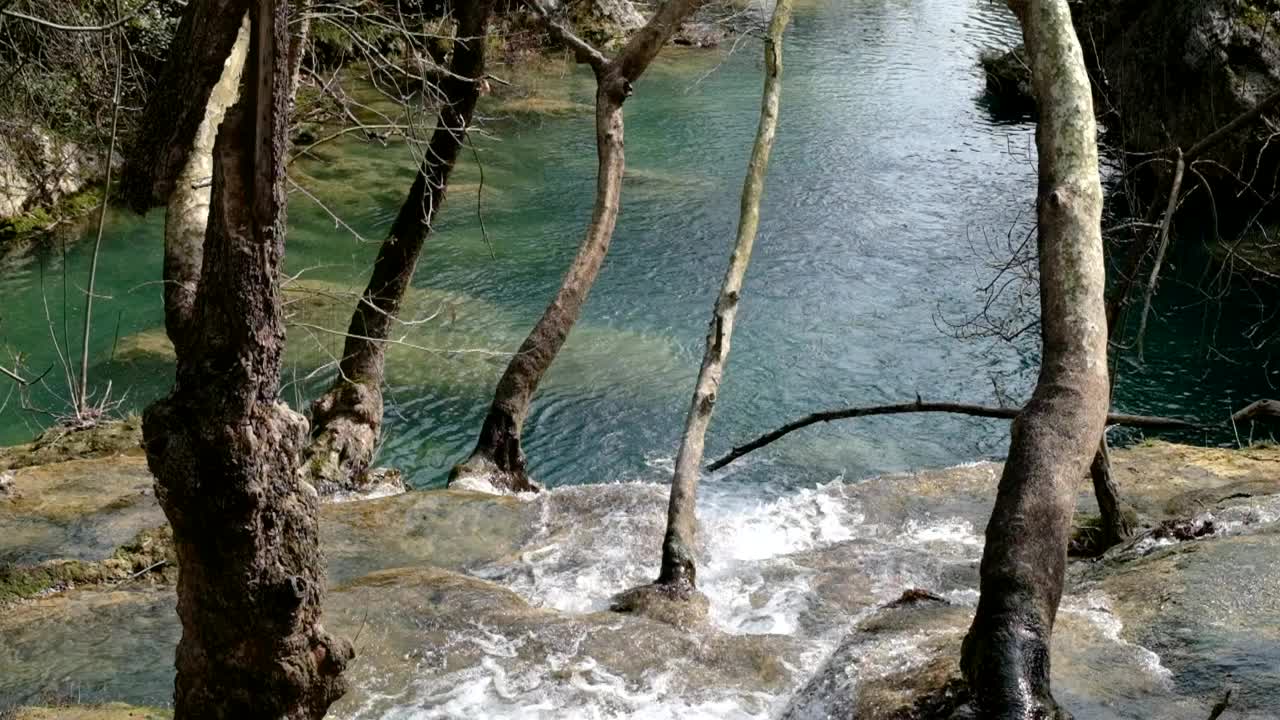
(891, 180)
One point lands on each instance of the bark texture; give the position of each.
(347, 420)
(1005, 657)
(498, 460)
(159, 149)
(224, 450)
(187, 213)
(677, 576)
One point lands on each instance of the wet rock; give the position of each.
(1008, 79)
(443, 528)
(915, 596)
(150, 554)
(108, 711)
(700, 34)
(901, 663)
(80, 509)
(59, 444)
(678, 604)
(604, 23)
(1209, 612)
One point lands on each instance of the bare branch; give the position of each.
(1162, 245)
(919, 406)
(583, 51)
(76, 28)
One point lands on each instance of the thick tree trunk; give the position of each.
(1005, 657)
(347, 420)
(498, 460)
(224, 450)
(677, 577)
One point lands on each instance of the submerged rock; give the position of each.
(78, 510)
(471, 605)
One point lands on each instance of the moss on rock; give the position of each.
(60, 444)
(151, 553)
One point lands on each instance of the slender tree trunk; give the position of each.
(224, 449)
(498, 459)
(677, 578)
(347, 419)
(1005, 657)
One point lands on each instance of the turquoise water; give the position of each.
(888, 179)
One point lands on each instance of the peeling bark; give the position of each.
(187, 212)
(677, 577)
(159, 148)
(498, 460)
(347, 419)
(224, 450)
(1005, 657)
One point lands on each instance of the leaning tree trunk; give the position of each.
(1005, 657)
(224, 449)
(677, 578)
(498, 460)
(347, 419)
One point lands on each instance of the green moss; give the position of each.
(35, 225)
(1258, 16)
(151, 550)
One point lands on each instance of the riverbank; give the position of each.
(476, 606)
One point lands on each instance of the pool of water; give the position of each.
(889, 178)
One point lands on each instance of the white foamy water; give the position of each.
(786, 577)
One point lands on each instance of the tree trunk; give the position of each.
(498, 460)
(224, 450)
(1005, 657)
(677, 578)
(159, 148)
(1116, 524)
(187, 214)
(347, 420)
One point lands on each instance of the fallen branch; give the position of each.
(1257, 409)
(1139, 421)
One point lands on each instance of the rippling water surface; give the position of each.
(889, 181)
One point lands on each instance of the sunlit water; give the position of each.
(888, 178)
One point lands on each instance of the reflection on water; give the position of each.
(887, 173)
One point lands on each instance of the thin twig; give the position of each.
(80, 400)
(484, 232)
(1162, 245)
